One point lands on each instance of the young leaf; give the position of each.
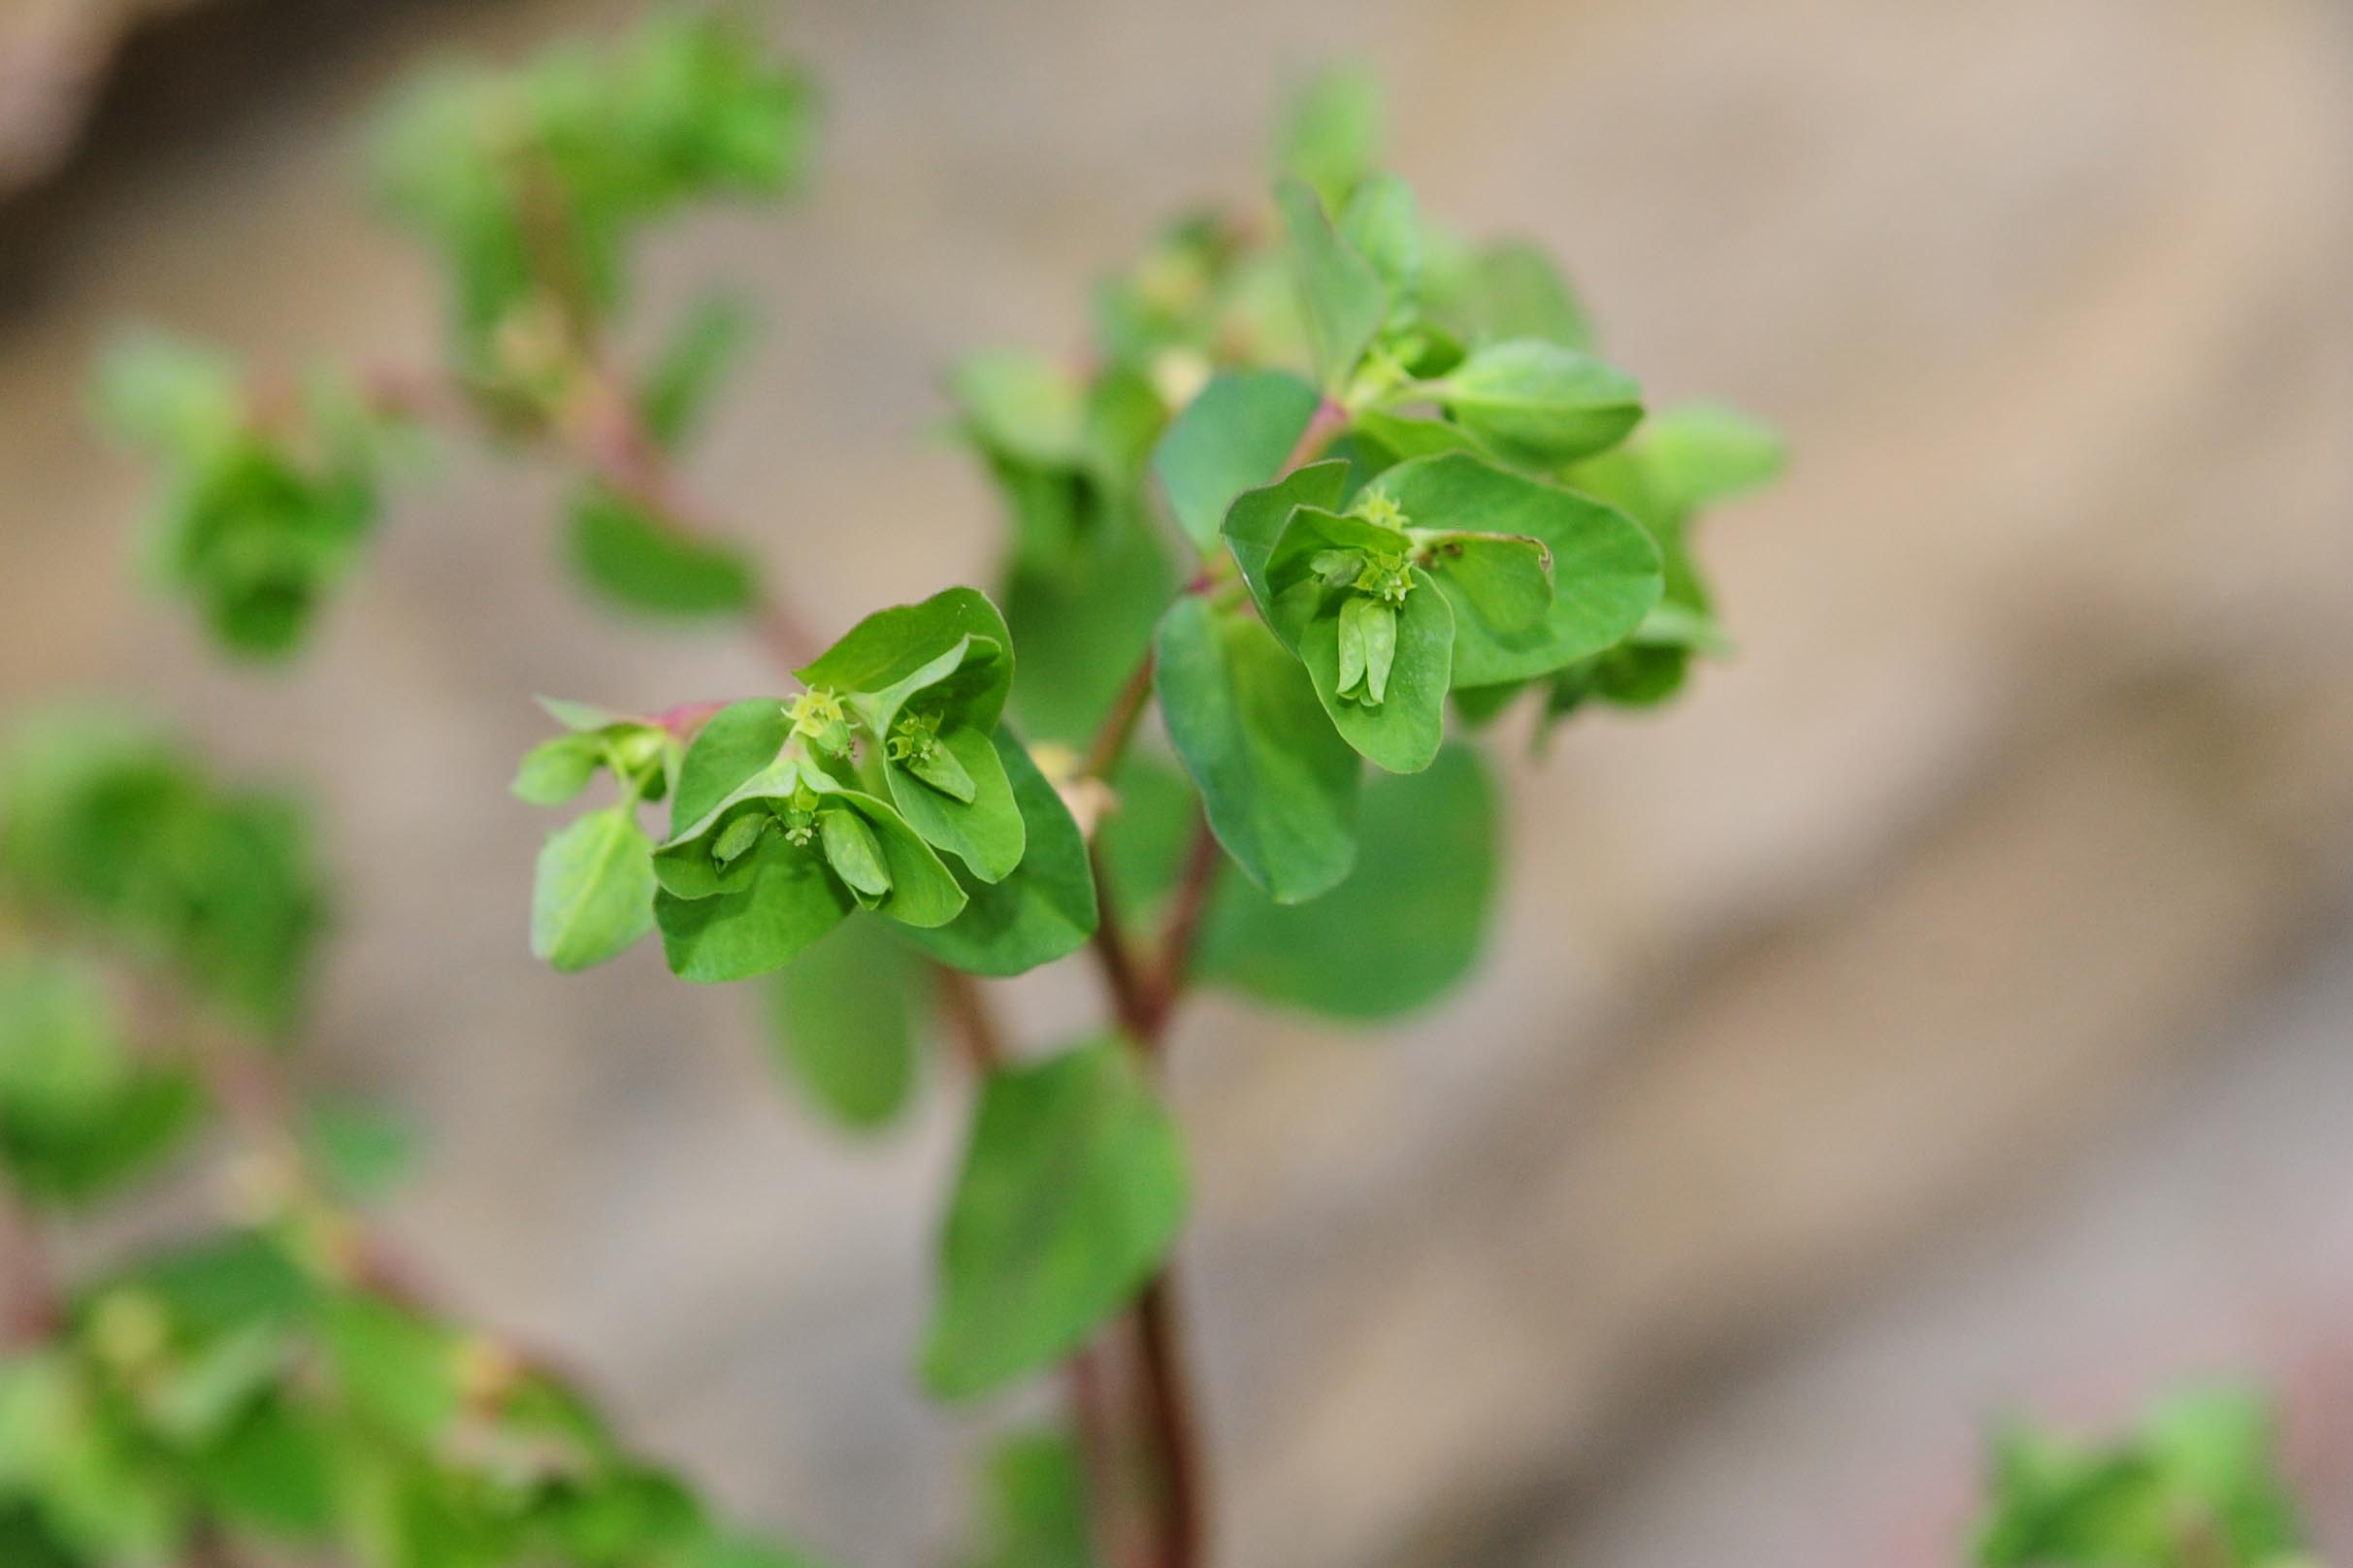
(1232, 436)
(1043, 910)
(1341, 294)
(1407, 926)
(1072, 1195)
(1383, 223)
(638, 563)
(1331, 132)
(1605, 569)
(1539, 403)
(734, 744)
(952, 789)
(1081, 629)
(1279, 785)
(1697, 453)
(846, 1021)
(1254, 522)
(556, 770)
(593, 893)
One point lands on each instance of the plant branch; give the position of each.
(971, 1020)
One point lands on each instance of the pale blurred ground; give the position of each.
(1952, 1004)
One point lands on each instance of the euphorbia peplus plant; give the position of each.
(1334, 482)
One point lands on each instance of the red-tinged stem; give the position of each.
(1168, 1400)
(31, 1301)
(1323, 426)
(1118, 727)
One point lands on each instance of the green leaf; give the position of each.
(593, 893)
(637, 563)
(1023, 405)
(363, 1151)
(399, 1371)
(270, 1472)
(1504, 580)
(1234, 436)
(1383, 224)
(1279, 785)
(1539, 404)
(556, 770)
(1605, 569)
(1044, 910)
(1037, 1505)
(847, 1022)
(896, 653)
(734, 744)
(1402, 732)
(2199, 1481)
(1331, 131)
(1081, 629)
(1342, 296)
(1072, 1195)
(702, 348)
(1697, 453)
(79, 1116)
(1407, 926)
(1409, 435)
(106, 823)
(984, 827)
(785, 900)
(1512, 289)
(874, 857)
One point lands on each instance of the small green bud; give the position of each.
(1380, 509)
(818, 718)
(800, 818)
(913, 737)
(851, 850)
(1385, 578)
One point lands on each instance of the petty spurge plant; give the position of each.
(1335, 491)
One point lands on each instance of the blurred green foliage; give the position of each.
(2197, 1484)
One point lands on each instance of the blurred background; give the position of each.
(1947, 1008)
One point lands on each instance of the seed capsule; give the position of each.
(737, 838)
(851, 850)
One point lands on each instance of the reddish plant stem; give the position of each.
(1183, 1511)
(31, 1301)
(1322, 427)
(1145, 1003)
(970, 1021)
(1119, 727)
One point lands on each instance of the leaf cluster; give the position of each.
(244, 1396)
(2196, 1486)
(109, 827)
(533, 183)
(264, 502)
